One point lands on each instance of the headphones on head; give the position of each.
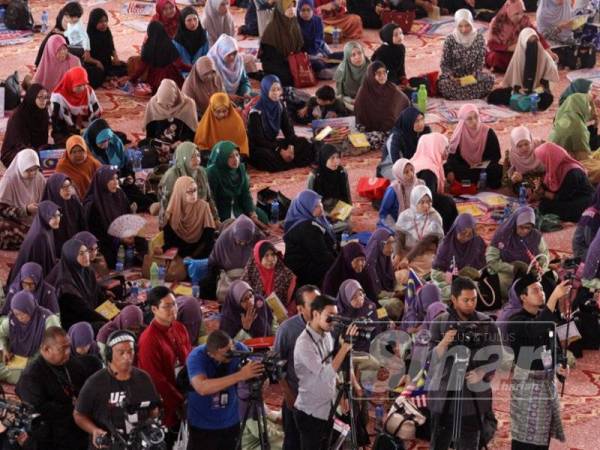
(117, 337)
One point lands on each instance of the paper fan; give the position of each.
(125, 226)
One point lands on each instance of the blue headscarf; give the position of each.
(301, 210)
(312, 30)
(270, 111)
(98, 132)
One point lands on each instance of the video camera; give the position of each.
(469, 334)
(272, 362)
(365, 327)
(17, 417)
(568, 268)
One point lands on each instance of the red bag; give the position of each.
(301, 70)
(372, 188)
(403, 18)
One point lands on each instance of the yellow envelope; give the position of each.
(17, 362)
(341, 210)
(467, 80)
(108, 310)
(182, 289)
(358, 140)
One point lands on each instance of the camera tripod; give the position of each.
(344, 390)
(255, 409)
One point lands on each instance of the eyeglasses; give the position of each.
(191, 191)
(57, 214)
(43, 97)
(66, 186)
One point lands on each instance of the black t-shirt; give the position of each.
(103, 397)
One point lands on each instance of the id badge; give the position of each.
(220, 400)
(546, 358)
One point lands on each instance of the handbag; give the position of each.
(372, 188)
(520, 102)
(488, 290)
(404, 19)
(301, 70)
(403, 418)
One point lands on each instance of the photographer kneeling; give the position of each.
(117, 399)
(213, 407)
(465, 351)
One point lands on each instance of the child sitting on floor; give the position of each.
(322, 105)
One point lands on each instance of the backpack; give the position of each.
(12, 91)
(18, 16)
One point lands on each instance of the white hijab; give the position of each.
(465, 40)
(416, 225)
(17, 191)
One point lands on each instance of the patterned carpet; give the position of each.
(581, 403)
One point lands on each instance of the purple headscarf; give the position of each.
(513, 306)
(25, 338)
(44, 294)
(231, 315)
(312, 30)
(82, 335)
(38, 245)
(227, 254)
(434, 310)
(189, 314)
(102, 206)
(416, 311)
(301, 210)
(470, 254)
(380, 266)
(591, 217)
(129, 318)
(513, 247)
(341, 270)
(87, 238)
(347, 291)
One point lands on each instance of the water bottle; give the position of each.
(44, 21)
(274, 211)
(522, 195)
(379, 418)
(345, 238)
(335, 36)
(120, 265)
(422, 99)
(506, 213)
(413, 98)
(535, 99)
(154, 275)
(135, 291)
(195, 289)
(137, 161)
(129, 256)
(482, 180)
(162, 272)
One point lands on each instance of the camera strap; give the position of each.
(323, 358)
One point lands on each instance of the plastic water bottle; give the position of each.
(506, 213)
(535, 99)
(379, 418)
(129, 256)
(335, 36)
(422, 99)
(274, 211)
(162, 272)
(120, 265)
(345, 238)
(137, 161)
(413, 98)
(44, 20)
(522, 195)
(135, 291)
(154, 275)
(195, 289)
(482, 180)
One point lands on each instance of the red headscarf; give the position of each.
(267, 276)
(557, 163)
(169, 24)
(76, 76)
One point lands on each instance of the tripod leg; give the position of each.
(353, 436)
(238, 444)
(338, 398)
(262, 427)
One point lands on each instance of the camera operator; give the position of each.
(50, 384)
(213, 407)
(285, 341)
(452, 333)
(534, 406)
(106, 397)
(316, 368)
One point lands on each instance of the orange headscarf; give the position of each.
(80, 174)
(212, 130)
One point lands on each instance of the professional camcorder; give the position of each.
(272, 362)
(17, 417)
(469, 334)
(365, 327)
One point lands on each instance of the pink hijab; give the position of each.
(557, 162)
(401, 186)
(502, 28)
(430, 155)
(520, 161)
(471, 142)
(50, 70)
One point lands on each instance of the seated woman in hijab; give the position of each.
(38, 245)
(202, 82)
(102, 45)
(428, 161)
(59, 189)
(268, 117)
(21, 332)
(514, 245)
(578, 86)
(74, 105)
(190, 40)
(397, 196)
(131, 318)
(103, 203)
(71, 12)
(105, 145)
(170, 118)
(520, 163)
(217, 20)
(565, 189)
(461, 250)
(472, 144)
(350, 73)
(187, 163)
(84, 347)
(350, 263)
(160, 60)
(78, 165)
(554, 21)
(31, 279)
(392, 53)
(335, 14)
(371, 114)
(245, 315)
(310, 243)
(230, 66)
(78, 292)
(330, 181)
(221, 121)
(416, 310)
(531, 69)
(354, 303)
(27, 127)
(189, 313)
(167, 14)
(420, 219)
(230, 184)
(190, 226)
(379, 261)
(403, 139)
(98, 263)
(55, 62)
(21, 189)
(587, 227)
(464, 56)
(268, 274)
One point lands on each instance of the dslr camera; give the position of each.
(365, 327)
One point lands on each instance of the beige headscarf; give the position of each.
(546, 67)
(188, 220)
(170, 103)
(202, 82)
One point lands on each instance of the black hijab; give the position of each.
(192, 41)
(405, 134)
(330, 184)
(390, 54)
(531, 54)
(74, 279)
(102, 45)
(158, 50)
(26, 128)
(102, 206)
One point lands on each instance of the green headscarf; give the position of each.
(580, 85)
(570, 126)
(348, 77)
